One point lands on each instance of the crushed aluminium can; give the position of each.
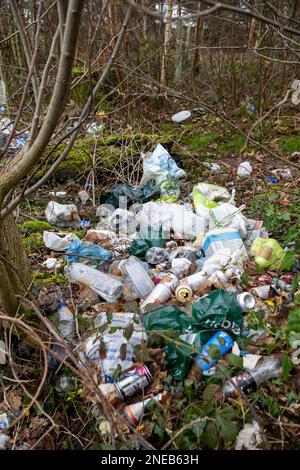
(133, 382)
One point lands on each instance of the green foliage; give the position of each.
(268, 403)
(292, 397)
(289, 145)
(210, 437)
(282, 220)
(233, 145)
(287, 262)
(293, 323)
(48, 278)
(31, 226)
(202, 141)
(287, 366)
(235, 361)
(227, 429)
(33, 242)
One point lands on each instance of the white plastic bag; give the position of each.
(122, 220)
(83, 196)
(227, 215)
(249, 438)
(58, 243)
(52, 263)
(62, 214)
(170, 217)
(181, 116)
(244, 169)
(158, 165)
(113, 342)
(208, 196)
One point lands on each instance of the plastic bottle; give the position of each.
(249, 381)
(139, 277)
(161, 292)
(66, 322)
(104, 285)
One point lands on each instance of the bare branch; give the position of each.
(83, 116)
(21, 166)
(26, 46)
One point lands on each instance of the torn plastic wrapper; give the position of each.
(110, 350)
(169, 218)
(62, 215)
(87, 250)
(159, 164)
(55, 242)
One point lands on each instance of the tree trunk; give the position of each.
(198, 42)
(15, 275)
(252, 32)
(179, 47)
(168, 34)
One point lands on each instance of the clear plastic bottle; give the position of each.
(104, 285)
(249, 381)
(139, 276)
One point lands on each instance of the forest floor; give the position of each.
(192, 418)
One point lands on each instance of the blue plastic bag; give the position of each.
(87, 250)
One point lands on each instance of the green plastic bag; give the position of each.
(132, 194)
(140, 246)
(168, 318)
(178, 356)
(268, 253)
(218, 310)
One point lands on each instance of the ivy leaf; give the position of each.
(123, 350)
(102, 350)
(159, 431)
(235, 361)
(287, 262)
(293, 321)
(287, 366)
(271, 347)
(128, 331)
(227, 429)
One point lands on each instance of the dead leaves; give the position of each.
(15, 400)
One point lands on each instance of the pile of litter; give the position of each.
(180, 263)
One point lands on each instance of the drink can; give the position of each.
(183, 293)
(133, 382)
(246, 301)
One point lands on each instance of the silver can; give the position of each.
(133, 382)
